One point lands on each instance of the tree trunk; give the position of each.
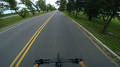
(33, 12)
(76, 13)
(23, 16)
(19, 14)
(38, 10)
(107, 24)
(89, 18)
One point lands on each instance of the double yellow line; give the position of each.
(24, 51)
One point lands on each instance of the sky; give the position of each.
(52, 2)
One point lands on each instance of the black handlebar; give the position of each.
(60, 61)
(56, 61)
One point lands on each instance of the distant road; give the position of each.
(51, 33)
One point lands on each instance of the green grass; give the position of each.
(95, 27)
(15, 19)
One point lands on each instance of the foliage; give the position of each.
(50, 7)
(3, 7)
(29, 6)
(36, 6)
(41, 4)
(62, 5)
(107, 9)
(24, 12)
(12, 4)
(58, 2)
(80, 4)
(71, 5)
(92, 8)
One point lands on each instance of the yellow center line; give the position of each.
(11, 65)
(18, 63)
(29, 44)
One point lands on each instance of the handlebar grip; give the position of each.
(76, 60)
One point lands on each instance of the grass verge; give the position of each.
(95, 27)
(15, 19)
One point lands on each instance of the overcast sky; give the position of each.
(52, 2)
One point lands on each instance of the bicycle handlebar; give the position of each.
(56, 61)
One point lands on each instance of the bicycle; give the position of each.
(59, 61)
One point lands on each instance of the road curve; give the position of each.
(60, 34)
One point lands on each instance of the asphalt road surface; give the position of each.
(56, 33)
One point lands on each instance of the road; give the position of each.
(57, 33)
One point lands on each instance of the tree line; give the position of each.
(105, 9)
(31, 7)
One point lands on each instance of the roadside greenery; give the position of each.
(100, 17)
(15, 19)
(31, 7)
(105, 9)
(96, 25)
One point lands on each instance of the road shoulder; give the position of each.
(113, 57)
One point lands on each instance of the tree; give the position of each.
(12, 4)
(62, 5)
(92, 8)
(24, 12)
(106, 8)
(109, 10)
(36, 7)
(58, 2)
(79, 4)
(2, 8)
(70, 6)
(50, 7)
(29, 5)
(41, 4)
